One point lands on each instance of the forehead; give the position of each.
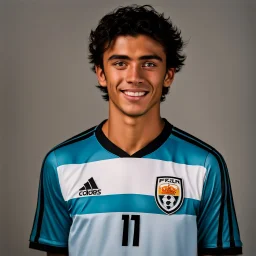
(135, 46)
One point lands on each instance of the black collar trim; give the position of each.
(151, 147)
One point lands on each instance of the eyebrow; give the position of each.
(144, 57)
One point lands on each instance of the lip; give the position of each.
(134, 90)
(134, 98)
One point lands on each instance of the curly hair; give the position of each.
(136, 20)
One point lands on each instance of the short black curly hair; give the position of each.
(136, 20)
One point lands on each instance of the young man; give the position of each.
(135, 185)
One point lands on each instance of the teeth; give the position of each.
(134, 94)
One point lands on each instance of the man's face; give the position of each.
(134, 74)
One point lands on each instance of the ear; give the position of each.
(101, 76)
(169, 76)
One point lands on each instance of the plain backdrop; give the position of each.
(48, 94)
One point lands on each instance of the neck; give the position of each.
(133, 133)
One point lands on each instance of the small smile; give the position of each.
(134, 93)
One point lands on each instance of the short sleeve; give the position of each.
(52, 221)
(218, 232)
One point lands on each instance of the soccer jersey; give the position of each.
(172, 197)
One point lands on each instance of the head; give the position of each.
(135, 32)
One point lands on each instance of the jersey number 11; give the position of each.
(136, 234)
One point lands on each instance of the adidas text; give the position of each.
(90, 192)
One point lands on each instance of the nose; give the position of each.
(134, 75)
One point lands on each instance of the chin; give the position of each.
(135, 113)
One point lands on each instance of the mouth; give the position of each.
(135, 94)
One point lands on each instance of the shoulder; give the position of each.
(194, 147)
(77, 138)
(66, 150)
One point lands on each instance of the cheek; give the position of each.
(156, 81)
(114, 77)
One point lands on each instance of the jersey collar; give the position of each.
(149, 148)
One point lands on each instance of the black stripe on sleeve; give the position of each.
(37, 207)
(229, 199)
(228, 187)
(41, 209)
(187, 137)
(48, 248)
(220, 251)
(230, 195)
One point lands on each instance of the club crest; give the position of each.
(169, 193)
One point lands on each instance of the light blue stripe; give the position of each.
(179, 151)
(84, 151)
(125, 203)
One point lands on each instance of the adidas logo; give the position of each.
(89, 188)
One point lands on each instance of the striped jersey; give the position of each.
(172, 197)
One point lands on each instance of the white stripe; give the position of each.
(129, 176)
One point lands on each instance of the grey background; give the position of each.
(48, 95)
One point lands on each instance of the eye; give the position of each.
(149, 65)
(119, 64)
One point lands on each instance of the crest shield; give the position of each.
(169, 193)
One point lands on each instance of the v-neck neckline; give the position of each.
(149, 148)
